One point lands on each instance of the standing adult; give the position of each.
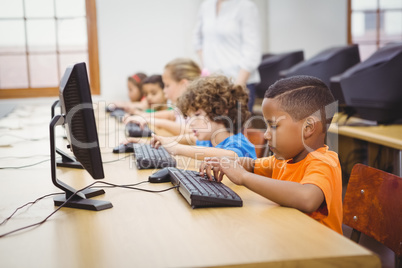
(227, 40)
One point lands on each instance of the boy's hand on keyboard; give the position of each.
(218, 167)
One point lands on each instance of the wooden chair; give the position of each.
(256, 137)
(373, 206)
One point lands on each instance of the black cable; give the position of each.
(133, 184)
(29, 203)
(75, 193)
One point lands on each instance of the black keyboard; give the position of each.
(149, 157)
(200, 192)
(134, 130)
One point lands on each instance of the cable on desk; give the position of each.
(75, 193)
(109, 186)
(29, 156)
(30, 165)
(26, 139)
(116, 160)
(29, 203)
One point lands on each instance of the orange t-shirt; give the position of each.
(320, 168)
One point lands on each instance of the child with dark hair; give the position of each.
(303, 173)
(135, 94)
(176, 76)
(217, 110)
(152, 86)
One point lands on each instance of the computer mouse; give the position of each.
(161, 175)
(134, 130)
(118, 113)
(123, 148)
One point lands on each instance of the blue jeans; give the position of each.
(251, 96)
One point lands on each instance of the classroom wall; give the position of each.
(137, 35)
(309, 25)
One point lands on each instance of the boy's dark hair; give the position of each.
(223, 101)
(301, 96)
(154, 79)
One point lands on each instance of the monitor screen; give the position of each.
(77, 116)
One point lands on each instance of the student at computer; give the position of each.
(135, 93)
(176, 76)
(303, 173)
(152, 87)
(216, 110)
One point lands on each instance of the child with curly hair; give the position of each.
(216, 110)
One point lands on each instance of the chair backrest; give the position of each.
(256, 137)
(373, 205)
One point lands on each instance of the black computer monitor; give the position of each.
(373, 88)
(328, 63)
(77, 116)
(271, 65)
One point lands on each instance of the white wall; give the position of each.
(309, 25)
(138, 35)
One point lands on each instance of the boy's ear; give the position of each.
(311, 124)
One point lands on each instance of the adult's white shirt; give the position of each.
(229, 41)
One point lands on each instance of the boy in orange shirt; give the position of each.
(303, 173)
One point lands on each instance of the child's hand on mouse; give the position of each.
(140, 120)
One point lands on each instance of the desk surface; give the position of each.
(387, 135)
(147, 229)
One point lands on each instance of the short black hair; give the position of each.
(301, 96)
(154, 79)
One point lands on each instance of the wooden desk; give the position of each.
(385, 135)
(154, 230)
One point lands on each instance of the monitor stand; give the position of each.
(66, 160)
(71, 198)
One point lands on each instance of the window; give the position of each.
(39, 39)
(374, 23)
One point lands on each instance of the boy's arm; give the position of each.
(304, 197)
(198, 152)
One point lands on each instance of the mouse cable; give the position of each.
(130, 186)
(74, 194)
(114, 186)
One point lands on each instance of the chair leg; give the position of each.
(355, 235)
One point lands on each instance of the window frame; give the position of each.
(93, 63)
(377, 11)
